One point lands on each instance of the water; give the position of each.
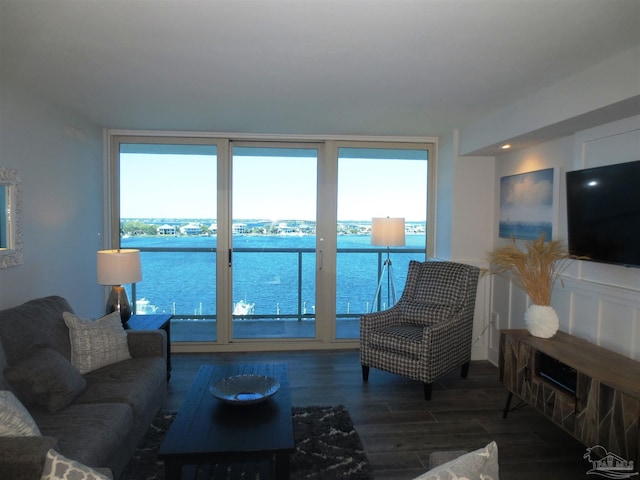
(525, 230)
(184, 283)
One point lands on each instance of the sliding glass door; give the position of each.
(253, 241)
(376, 182)
(272, 254)
(168, 210)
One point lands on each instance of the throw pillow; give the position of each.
(96, 343)
(59, 467)
(15, 420)
(46, 379)
(481, 463)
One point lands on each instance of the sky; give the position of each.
(184, 186)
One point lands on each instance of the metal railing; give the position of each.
(300, 314)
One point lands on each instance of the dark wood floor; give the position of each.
(399, 429)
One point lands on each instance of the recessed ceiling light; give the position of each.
(506, 146)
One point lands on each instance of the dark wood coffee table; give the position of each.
(208, 431)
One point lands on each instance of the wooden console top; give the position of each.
(610, 368)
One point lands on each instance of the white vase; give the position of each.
(541, 320)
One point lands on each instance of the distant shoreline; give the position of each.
(165, 227)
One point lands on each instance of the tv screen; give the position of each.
(603, 213)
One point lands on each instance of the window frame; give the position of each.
(326, 218)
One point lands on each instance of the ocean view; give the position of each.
(265, 273)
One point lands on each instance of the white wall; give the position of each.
(464, 200)
(464, 216)
(444, 196)
(59, 157)
(598, 302)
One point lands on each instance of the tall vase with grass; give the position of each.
(535, 266)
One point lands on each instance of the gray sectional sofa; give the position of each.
(97, 417)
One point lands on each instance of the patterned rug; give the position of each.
(327, 447)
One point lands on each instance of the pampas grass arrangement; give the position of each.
(535, 265)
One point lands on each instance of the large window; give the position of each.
(249, 243)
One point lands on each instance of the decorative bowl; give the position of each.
(244, 389)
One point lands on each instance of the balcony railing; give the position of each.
(399, 257)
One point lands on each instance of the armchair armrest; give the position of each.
(147, 343)
(22, 458)
(377, 320)
(453, 336)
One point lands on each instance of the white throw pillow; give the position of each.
(15, 419)
(479, 464)
(59, 467)
(96, 343)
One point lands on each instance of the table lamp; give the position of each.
(115, 268)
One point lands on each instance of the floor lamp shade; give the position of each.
(115, 268)
(387, 232)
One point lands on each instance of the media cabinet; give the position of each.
(589, 391)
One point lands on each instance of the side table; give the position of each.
(154, 322)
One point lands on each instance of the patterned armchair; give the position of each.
(428, 332)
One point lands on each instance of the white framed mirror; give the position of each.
(10, 218)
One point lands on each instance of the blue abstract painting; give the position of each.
(526, 205)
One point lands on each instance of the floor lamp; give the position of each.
(115, 268)
(387, 232)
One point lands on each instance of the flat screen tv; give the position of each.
(603, 213)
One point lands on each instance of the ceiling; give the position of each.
(308, 67)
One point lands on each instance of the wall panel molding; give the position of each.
(602, 314)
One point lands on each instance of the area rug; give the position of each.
(327, 447)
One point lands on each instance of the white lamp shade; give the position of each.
(117, 267)
(387, 232)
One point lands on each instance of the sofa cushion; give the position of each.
(90, 434)
(96, 343)
(59, 467)
(21, 458)
(481, 463)
(404, 339)
(37, 323)
(126, 382)
(46, 379)
(15, 419)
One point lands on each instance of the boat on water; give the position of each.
(242, 308)
(144, 307)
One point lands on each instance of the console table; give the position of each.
(599, 405)
(154, 322)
